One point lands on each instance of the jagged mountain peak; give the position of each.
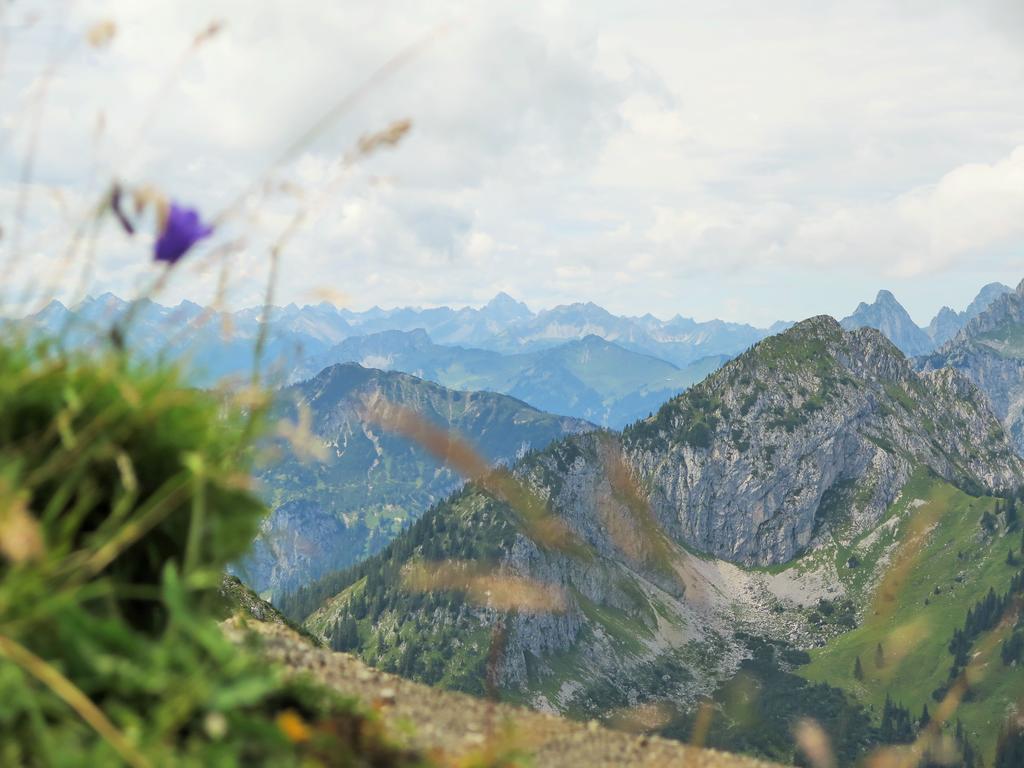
(505, 308)
(989, 350)
(502, 299)
(53, 306)
(889, 316)
(985, 297)
(593, 340)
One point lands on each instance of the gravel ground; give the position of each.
(452, 726)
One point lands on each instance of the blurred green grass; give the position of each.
(123, 496)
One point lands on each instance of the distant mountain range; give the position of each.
(332, 510)
(502, 325)
(577, 360)
(217, 344)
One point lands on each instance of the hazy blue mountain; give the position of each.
(944, 326)
(211, 344)
(609, 384)
(328, 513)
(589, 378)
(679, 340)
(948, 322)
(888, 316)
(446, 325)
(217, 344)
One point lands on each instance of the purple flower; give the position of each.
(181, 231)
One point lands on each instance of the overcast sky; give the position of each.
(745, 160)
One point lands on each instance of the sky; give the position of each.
(743, 160)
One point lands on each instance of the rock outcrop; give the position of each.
(743, 466)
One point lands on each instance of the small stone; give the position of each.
(386, 696)
(593, 726)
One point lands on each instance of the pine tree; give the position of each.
(346, 634)
(968, 756)
(1013, 648)
(879, 656)
(1011, 513)
(858, 670)
(896, 726)
(1010, 749)
(925, 718)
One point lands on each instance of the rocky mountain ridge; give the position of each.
(948, 322)
(741, 464)
(803, 442)
(989, 350)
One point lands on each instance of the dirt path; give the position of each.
(452, 726)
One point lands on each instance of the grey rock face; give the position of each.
(811, 433)
(739, 466)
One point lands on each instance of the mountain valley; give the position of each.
(365, 484)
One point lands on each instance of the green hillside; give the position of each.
(936, 561)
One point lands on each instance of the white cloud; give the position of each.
(668, 158)
(974, 213)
